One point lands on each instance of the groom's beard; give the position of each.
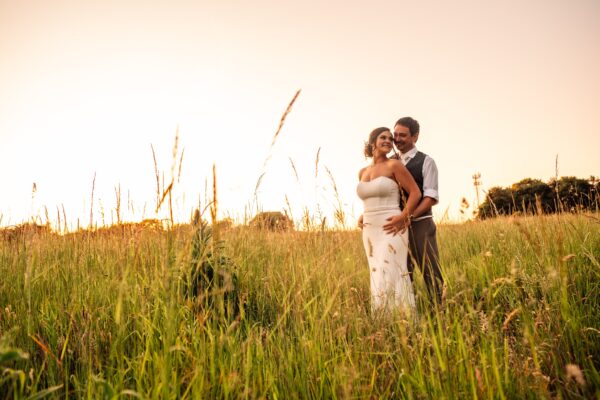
(397, 146)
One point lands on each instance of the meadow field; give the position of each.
(115, 314)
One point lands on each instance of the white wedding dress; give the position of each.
(391, 287)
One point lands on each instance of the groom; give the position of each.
(422, 229)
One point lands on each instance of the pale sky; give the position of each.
(499, 88)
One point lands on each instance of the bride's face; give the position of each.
(383, 143)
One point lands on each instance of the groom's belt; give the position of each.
(422, 217)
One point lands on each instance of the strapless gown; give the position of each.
(391, 287)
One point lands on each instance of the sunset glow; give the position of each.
(87, 87)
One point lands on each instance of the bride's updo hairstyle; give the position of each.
(372, 138)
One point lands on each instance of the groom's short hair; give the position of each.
(411, 123)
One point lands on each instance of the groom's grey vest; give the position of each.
(415, 167)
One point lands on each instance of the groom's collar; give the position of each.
(406, 157)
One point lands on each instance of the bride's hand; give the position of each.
(360, 222)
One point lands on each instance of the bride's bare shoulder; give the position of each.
(394, 163)
(360, 173)
(397, 167)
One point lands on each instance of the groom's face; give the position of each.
(403, 140)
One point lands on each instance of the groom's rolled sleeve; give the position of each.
(430, 179)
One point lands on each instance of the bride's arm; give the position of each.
(360, 219)
(405, 180)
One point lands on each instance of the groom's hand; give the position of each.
(396, 224)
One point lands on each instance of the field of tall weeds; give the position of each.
(129, 313)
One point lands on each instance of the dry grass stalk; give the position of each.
(258, 184)
(284, 116)
(281, 123)
(92, 202)
(33, 192)
(173, 165)
(160, 198)
(118, 199)
(317, 163)
(509, 318)
(306, 219)
(102, 215)
(45, 349)
(340, 216)
(484, 322)
(288, 210)
(568, 257)
(479, 379)
(196, 217)
(180, 164)
(558, 202)
(174, 153)
(157, 176)
(47, 216)
(214, 206)
(164, 195)
(171, 206)
(59, 225)
(64, 217)
(294, 169)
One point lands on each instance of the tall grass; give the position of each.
(97, 315)
(128, 311)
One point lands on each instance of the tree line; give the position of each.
(533, 196)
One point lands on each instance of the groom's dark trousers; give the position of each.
(424, 252)
(422, 231)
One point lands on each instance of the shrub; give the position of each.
(272, 220)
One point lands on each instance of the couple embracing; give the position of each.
(398, 229)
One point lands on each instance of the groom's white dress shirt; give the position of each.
(430, 176)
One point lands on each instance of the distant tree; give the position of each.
(594, 192)
(532, 196)
(573, 193)
(498, 201)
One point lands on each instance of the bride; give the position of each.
(380, 186)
